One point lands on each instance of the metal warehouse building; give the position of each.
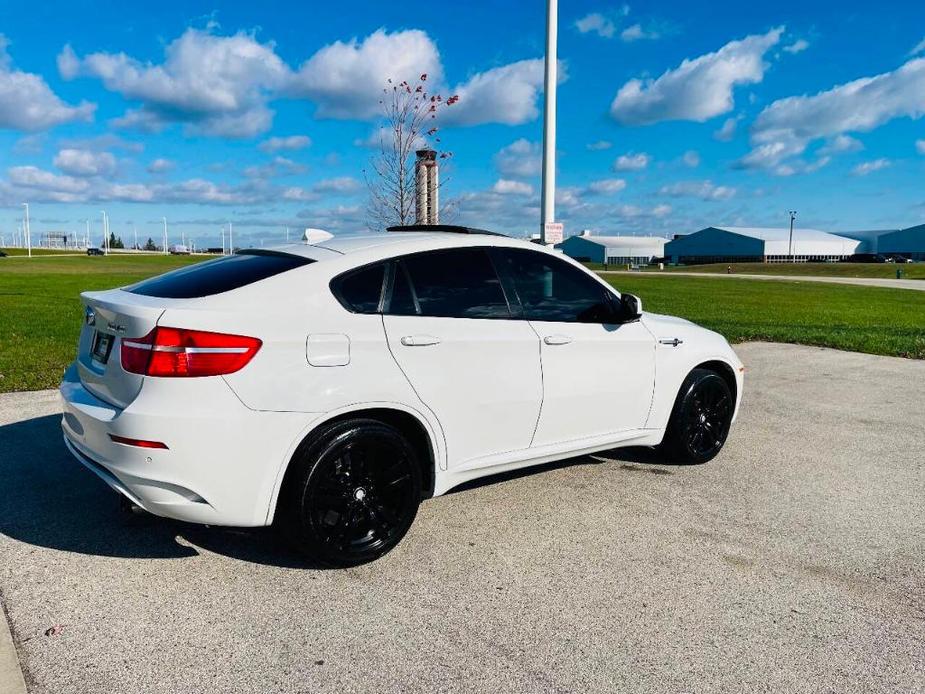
(614, 250)
(909, 243)
(750, 244)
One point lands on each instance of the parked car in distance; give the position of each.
(327, 387)
(179, 249)
(93, 250)
(3, 254)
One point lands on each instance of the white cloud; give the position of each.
(520, 159)
(797, 46)
(82, 162)
(341, 184)
(215, 85)
(631, 162)
(291, 142)
(596, 23)
(102, 142)
(705, 190)
(34, 184)
(277, 167)
(381, 136)
(506, 94)
(920, 146)
(346, 79)
(28, 103)
(841, 144)
(599, 145)
(607, 186)
(728, 130)
(698, 89)
(637, 33)
(568, 197)
(506, 186)
(691, 159)
(661, 211)
(918, 48)
(161, 166)
(869, 167)
(787, 126)
(59, 188)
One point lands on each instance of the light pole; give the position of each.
(105, 232)
(793, 214)
(26, 228)
(87, 236)
(230, 238)
(165, 235)
(548, 213)
(287, 234)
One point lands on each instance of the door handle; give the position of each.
(557, 339)
(420, 340)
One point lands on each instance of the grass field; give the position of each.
(859, 319)
(882, 270)
(40, 312)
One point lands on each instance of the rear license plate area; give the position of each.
(102, 346)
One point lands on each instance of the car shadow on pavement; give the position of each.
(637, 458)
(48, 499)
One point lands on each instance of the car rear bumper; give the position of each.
(222, 463)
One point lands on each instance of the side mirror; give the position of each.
(632, 307)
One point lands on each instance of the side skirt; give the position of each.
(514, 460)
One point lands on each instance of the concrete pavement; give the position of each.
(11, 677)
(793, 562)
(916, 285)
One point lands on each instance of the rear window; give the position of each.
(219, 275)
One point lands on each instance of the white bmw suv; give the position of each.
(328, 387)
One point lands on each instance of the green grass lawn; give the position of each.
(881, 270)
(40, 311)
(859, 319)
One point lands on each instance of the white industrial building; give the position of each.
(613, 250)
(755, 244)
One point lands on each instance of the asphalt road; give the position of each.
(795, 562)
(916, 285)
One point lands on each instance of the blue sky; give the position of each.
(672, 115)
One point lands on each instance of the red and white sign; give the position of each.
(552, 232)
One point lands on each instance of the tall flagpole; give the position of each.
(549, 119)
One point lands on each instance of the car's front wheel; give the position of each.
(353, 494)
(700, 420)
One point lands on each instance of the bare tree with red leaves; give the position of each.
(408, 115)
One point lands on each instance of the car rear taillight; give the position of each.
(175, 352)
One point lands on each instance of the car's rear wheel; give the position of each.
(700, 420)
(353, 494)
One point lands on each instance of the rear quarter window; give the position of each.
(219, 275)
(360, 291)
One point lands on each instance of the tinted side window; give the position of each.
(219, 275)
(459, 283)
(402, 301)
(552, 290)
(360, 291)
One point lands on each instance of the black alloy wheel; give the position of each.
(701, 418)
(355, 494)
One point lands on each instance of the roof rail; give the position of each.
(446, 228)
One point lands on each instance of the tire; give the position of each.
(700, 419)
(353, 493)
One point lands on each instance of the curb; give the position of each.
(11, 676)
